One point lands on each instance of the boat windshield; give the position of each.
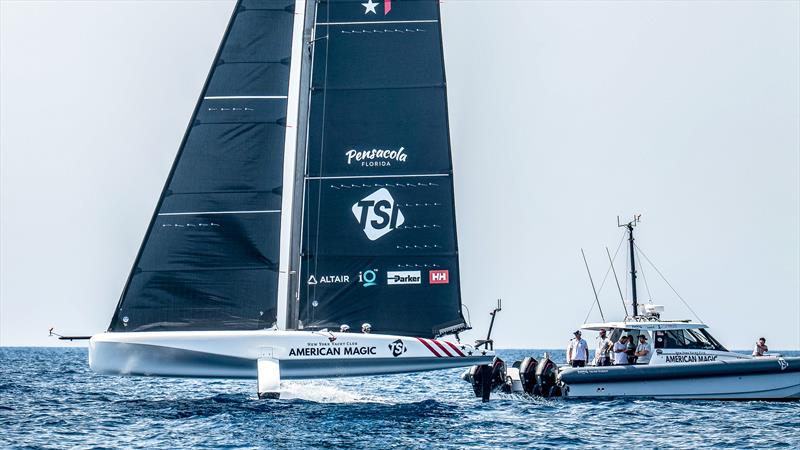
(686, 338)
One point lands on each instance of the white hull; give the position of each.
(744, 387)
(300, 354)
(749, 379)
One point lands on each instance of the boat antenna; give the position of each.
(596, 298)
(621, 297)
(630, 225)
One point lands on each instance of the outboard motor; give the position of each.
(485, 378)
(527, 374)
(546, 379)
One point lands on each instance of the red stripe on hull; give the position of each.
(460, 353)
(444, 349)
(429, 347)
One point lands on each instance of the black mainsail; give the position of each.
(209, 260)
(312, 188)
(379, 236)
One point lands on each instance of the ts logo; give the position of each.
(398, 348)
(378, 214)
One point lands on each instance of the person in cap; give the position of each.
(344, 328)
(620, 351)
(366, 328)
(643, 350)
(578, 351)
(601, 354)
(761, 347)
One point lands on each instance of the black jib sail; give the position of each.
(379, 237)
(209, 260)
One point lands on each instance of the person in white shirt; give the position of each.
(643, 350)
(578, 351)
(761, 347)
(601, 354)
(620, 351)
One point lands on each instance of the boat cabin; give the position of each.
(671, 342)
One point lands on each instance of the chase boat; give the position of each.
(686, 362)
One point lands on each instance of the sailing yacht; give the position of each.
(312, 194)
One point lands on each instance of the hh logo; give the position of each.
(439, 277)
(378, 214)
(398, 348)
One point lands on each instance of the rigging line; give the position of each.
(303, 286)
(599, 308)
(644, 278)
(685, 303)
(627, 271)
(321, 142)
(619, 289)
(609, 267)
(591, 306)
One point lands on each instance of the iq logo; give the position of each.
(367, 278)
(378, 214)
(439, 277)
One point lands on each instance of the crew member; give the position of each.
(621, 351)
(643, 350)
(601, 354)
(761, 347)
(631, 351)
(366, 328)
(578, 351)
(344, 328)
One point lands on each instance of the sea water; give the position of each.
(50, 399)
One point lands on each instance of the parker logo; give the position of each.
(404, 277)
(328, 279)
(367, 278)
(439, 277)
(375, 157)
(398, 348)
(378, 214)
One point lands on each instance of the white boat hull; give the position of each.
(301, 354)
(766, 379)
(747, 387)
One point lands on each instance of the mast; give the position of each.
(293, 154)
(629, 227)
(294, 170)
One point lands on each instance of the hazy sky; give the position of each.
(563, 116)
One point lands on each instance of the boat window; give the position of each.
(614, 334)
(695, 339)
(717, 345)
(659, 343)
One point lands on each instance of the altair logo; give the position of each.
(378, 214)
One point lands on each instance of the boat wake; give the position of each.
(321, 391)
